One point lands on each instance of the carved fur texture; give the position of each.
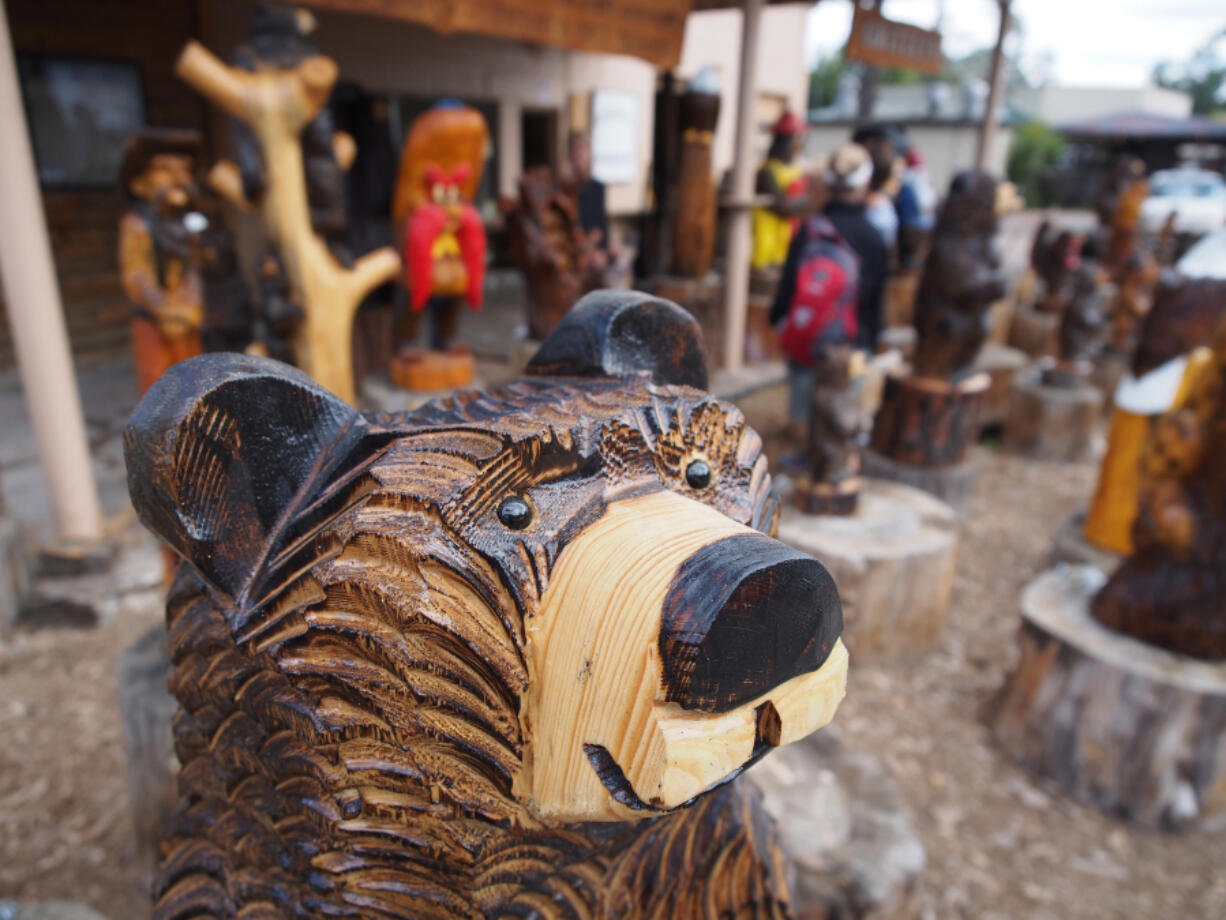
(352, 682)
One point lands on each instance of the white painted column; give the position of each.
(510, 147)
(740, 242)
(37, 320)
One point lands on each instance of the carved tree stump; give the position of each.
(147, 709)
(893, 561)
(1002, 364)
(927, 422)
(1126, 727)
(1034, 331)
(1049, 422)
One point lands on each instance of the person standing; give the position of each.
(917, 212)
(589, 200)
(847, 179)
(783, 182)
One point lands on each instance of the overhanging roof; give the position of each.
(648, 29)
(1134, 124)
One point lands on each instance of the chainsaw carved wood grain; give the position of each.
(276, 105)
(477, 660)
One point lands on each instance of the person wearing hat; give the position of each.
(159, 251)
(847, 177)
(784, 182)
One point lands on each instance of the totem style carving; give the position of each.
(1126, 218)
(442, 233)
(694, 227)
(550, 248)
(1171, 592)
(783, 181)
(1054, 256)
(503, 656)
(160, 250)
(280, 105)
(962, 276)
(837, 426)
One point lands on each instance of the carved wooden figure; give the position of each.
(159, 250)
(962, 276)
(694, 227)
(1134, 298)
(501, 657)
(836, 425)
(1084, 324)
(550, 247)
(1054, 257)
(443, 236)
(1171, 592)
(1126, 219)
(278, 105)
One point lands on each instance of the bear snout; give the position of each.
(744, 615)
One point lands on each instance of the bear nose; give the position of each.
(742, 616)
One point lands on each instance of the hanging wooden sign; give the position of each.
(883, 43)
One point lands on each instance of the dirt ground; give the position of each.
(999, 845)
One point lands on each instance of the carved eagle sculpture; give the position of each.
(501, 657)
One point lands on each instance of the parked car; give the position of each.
(1206, 258)
(1196, 196)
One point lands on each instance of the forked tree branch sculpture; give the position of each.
(277, 105)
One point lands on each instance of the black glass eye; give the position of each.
(698, 474)
(514, 512)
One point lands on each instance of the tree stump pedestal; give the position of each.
(147, 710)
(1052, 422)
(923, 433)
(1129, 728)
(844, 830)
(1071, 546)
(1033, 331)
(1002, 364)
(703, 299)
(893, 561)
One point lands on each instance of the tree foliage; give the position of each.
(1203, 76)
(1035, 149)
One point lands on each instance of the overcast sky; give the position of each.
(1076, 42)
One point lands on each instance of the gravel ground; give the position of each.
(999, 845)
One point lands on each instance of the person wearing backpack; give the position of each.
(832, 281)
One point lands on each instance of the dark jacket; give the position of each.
(862, 237)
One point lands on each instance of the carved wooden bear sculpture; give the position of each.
(496, 658)
(962, 276)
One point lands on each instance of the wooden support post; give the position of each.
(739, 232)
(277, 105)
(987, 129)
(36, 318)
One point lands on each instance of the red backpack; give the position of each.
(823, 309)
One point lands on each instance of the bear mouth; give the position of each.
(613, 778)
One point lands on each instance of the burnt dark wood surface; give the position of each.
(348, 634)
(926, 422)
(1184, 314)
(961, 279)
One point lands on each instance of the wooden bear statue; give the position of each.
(962, 276)
(500, 657)
(1171, 592)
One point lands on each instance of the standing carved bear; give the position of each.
(962, 276)
(500, 657)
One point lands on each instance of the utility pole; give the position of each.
(987, 129)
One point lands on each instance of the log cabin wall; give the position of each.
(83, 222)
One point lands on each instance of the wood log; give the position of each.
(1002, 364)
(1049, 422)
(927, 422)
(1035, 332)
(1120, 725)
(277, 105)
(147, 709)
(893, 562)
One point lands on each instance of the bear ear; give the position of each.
(221, 453)
(611, 333)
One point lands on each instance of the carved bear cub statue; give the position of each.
(501, 657)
